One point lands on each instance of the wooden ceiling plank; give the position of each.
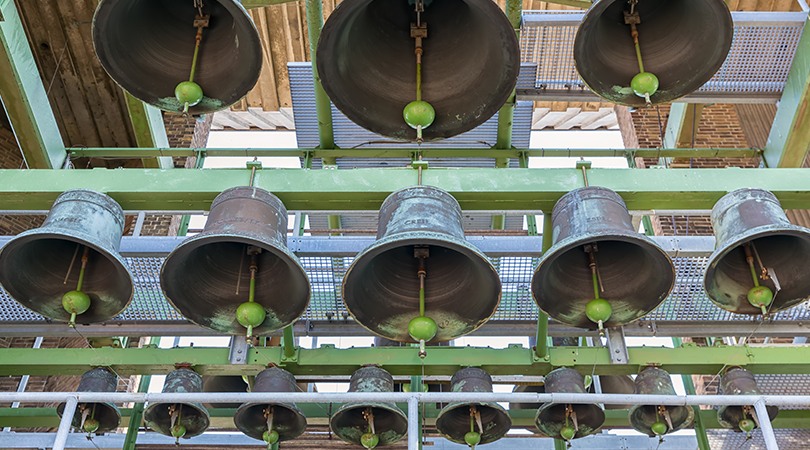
(267, 80)
(296, 49)
(302, 13)
(278, 48)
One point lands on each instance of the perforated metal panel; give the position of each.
(729, 440)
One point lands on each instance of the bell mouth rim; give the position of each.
(690, 418)
(301, 424)
(773, 411)
(60, 409)
(499, 410)
(203, 413)
(392, 408)
(546, 406)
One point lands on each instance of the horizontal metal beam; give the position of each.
(582, 95)
(740, 19)
(365, 189)
(327, 360)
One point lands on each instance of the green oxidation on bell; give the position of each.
(101, 417)
(172, 104)
(193, 417)
(288, 420)
(419, 113)
(188, 92)
(655, 381)
(551, 418)
(738, 381)
(644, 84)
(453, 421)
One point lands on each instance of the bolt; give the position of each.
(239, 351)
(617, 350)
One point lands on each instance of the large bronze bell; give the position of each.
(420, 232)
(224, 383)
(756, 245)
(148, 48)
(599, 259)
(286, 419)
(738, 381)
(178, 419)
(79, 239)
(617, 384)
(643, 418)
(469, 63)
(99, 417)
(682, 42)
(208, 277)
(489, 420)
(551, 418)
(383, 419)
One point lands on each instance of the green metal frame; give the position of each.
(150, 131)
(250, 4)
(683, 121)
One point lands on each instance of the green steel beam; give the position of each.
(789, 138)
(327, 360)
(150, 132)
(250, 4)
(24, 97)
(136, 413)
(682, 124)
(365, 189)
(700, 420)
(323, 105)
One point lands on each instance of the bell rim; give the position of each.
(301, 423)
(427, 238)
(572, 242)
(500, 410)
(546, 406)
(730, 245)
(773, 411)
(189, 433)
(388, 406)
(76, 422)
(690, 418)
(271, 246)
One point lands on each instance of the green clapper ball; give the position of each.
(747, 425)
(659, 428)
(644, 83)
(419, 113)
(598, 309)
(76, 302)
(188, 92)
(369, 440)
(472, 438)
(250, 314)
(567, 433)
(422, 328)
(271, 437)
(90, 425)
(760, 296)
(178, 431)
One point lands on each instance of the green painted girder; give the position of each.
(250, 4)
(365, 189)
(327, 360)
(682, 124)
(24, 97)
(789, 138)
(150, 131)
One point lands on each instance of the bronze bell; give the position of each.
(655, 381)
(489, 420)
(598, 258)
(551, 418)
(286, 419)
(224, 383)
(208, 277)
(384, 419)
(738, 381)
(756, 245)
(420, 240)
(149, 47)
(682, 42)
(79, 240)
(170, 419)
(99, 417)
(465, 46)
(617, 384)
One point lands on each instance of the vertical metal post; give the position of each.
(413, 423)
(765, 424)
(65, 424)
(137, 409)
(23, 381)
(416, 386)
(289, 342)
(700, 427)
(541, 348)
(139, 224)
(323, 106)
(182, 230)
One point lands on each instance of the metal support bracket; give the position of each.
(238, 350)
(617, 346)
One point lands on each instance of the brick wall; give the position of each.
(11, 158)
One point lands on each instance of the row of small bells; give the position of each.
(373, 424)
(151, 50)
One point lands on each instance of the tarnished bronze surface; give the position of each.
(755, 216)
(99, 379)
(738, 381)
(616, 384)
(288, 420)
(147, 47)
(683, 43)
(637, 275)
(551, 418)
(390, 422)
(453, 421)
(381, 288)
(471, 48)
(193, 416)
(223, 383)
(200, 276)
(655, 381)
(34, 264)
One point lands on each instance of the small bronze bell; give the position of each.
(653, 419)
(99, 417)
(738, 381)
(568, 421)
(458, 419)
(278, 421)
(178, 419)
(382, 422)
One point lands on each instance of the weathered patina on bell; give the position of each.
(383, 419)
(420, 232)
(457, 419)
(757, 246)
(598, 257)
(74, 251)
(375, 80)
(98, 417)
(180, 420)
(738, 381)
(148, 48)
(616, 384)
(207, 278)
(224, 383)
(682, 42)
(552, 418)
(648, 419)
(254, 419)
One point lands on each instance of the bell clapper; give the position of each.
(567, 432)
(270, 436)
(660, 428)
(370, 439)
(77, 302)
(473, 438)
(177, 429)
(758, 296)
(644, 84)
(422, 328)
(419, 114)
(188, 92)
(251, 314)
(597, 310)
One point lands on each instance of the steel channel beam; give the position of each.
(365, 189)
(582, 95)
(740, 18)
(682, 124)
(150, 131)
